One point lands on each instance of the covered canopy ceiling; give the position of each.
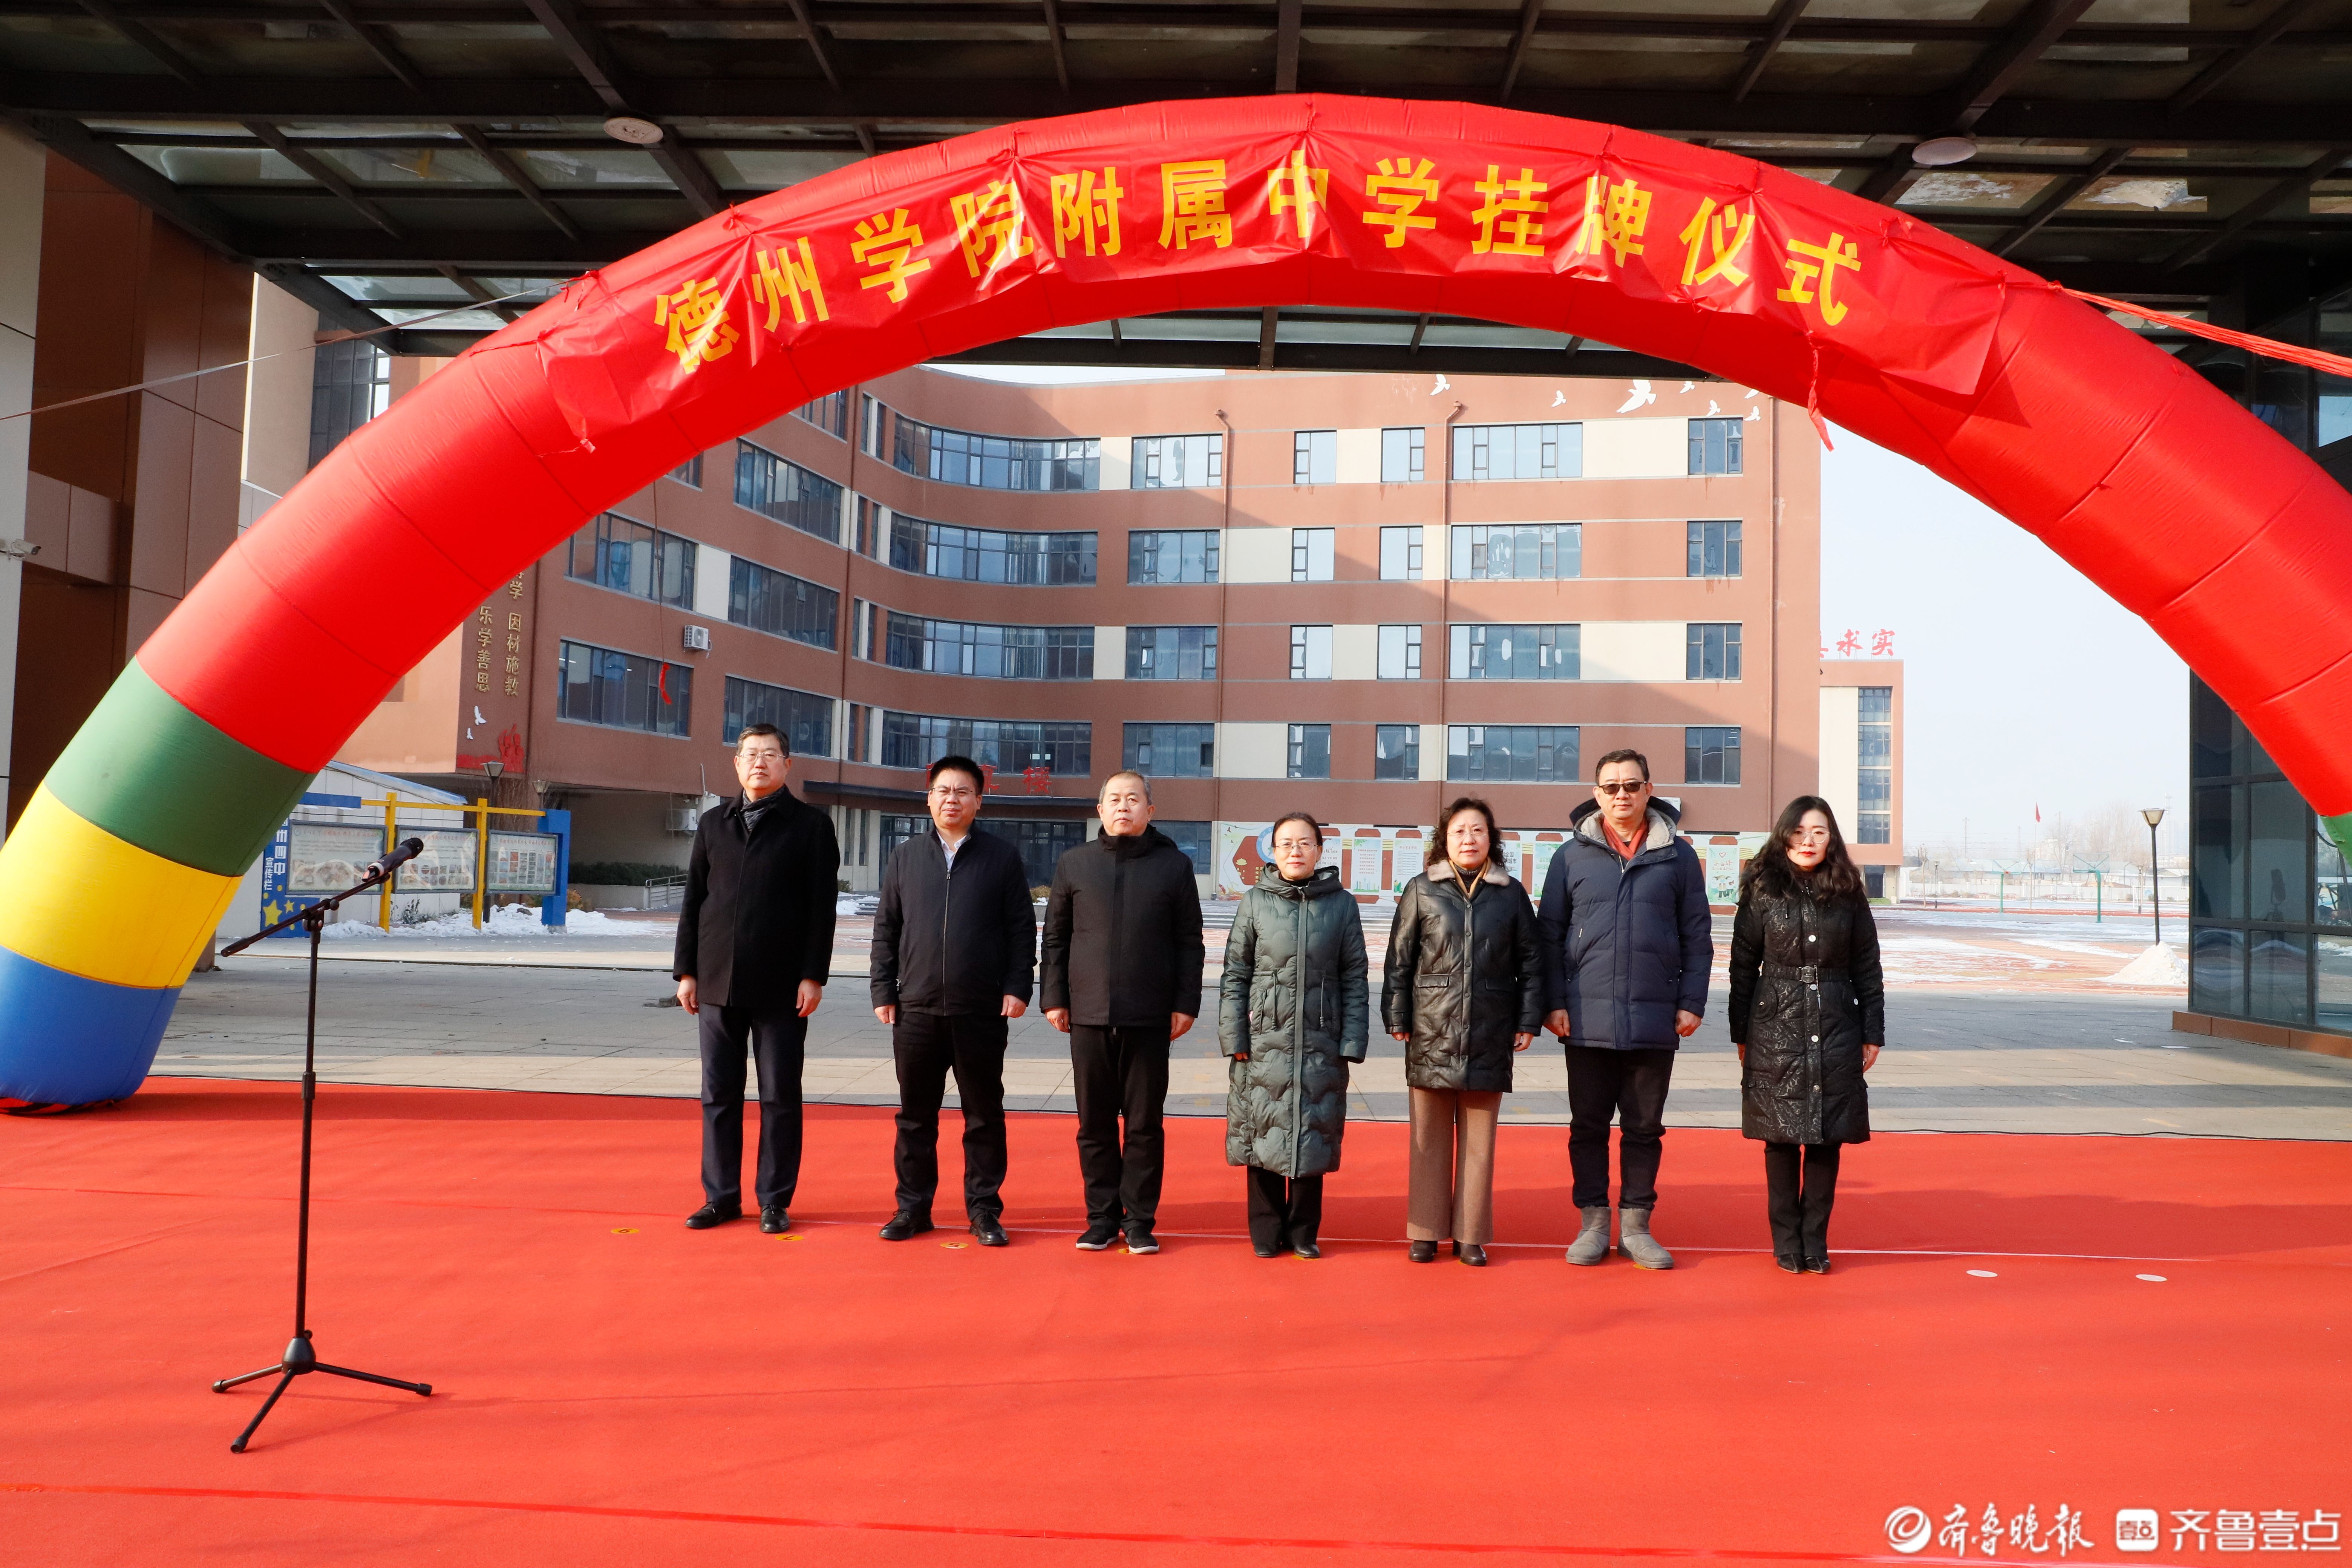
(389, 160)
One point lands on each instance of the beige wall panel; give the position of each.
(1636, 448)
(1252, 750)
(1633, 650)
(1256, 555)
(1841, 784)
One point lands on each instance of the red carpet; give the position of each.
(611, 1388)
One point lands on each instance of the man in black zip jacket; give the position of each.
(954, 942)
(754, 949)
(1121, 964)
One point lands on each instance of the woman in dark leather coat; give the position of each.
(1808, 1016)
(1465, 990)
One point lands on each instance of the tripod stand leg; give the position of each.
(260, 1416)
(418, 1388)
(225, 1385)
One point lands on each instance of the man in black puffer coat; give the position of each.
(954, 942)
(1121, 973)
(1628, 941)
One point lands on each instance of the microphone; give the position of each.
(408, 849)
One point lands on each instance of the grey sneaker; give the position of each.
(1591, 1243)
(1634, 1240)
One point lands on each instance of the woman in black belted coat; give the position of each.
(1808, 1016)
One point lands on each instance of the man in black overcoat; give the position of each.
(1121, 976)
(754, 950)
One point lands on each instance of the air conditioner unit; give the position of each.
(684, 819)
(697, 639)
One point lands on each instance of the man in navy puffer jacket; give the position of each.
(1628, 942)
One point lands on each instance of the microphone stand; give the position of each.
(300, 1358)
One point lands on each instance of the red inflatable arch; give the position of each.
(2161, 489)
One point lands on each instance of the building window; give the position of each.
(780, 604)
(1396, 750)
(870, 422)
(689, 473)
(1310, 750)
(1310, 653)
(1041, 843)
(1400, 554)
(626, 691)
(829, 414)
(1711, 754)
(1400, 657)
(1400, 456)
(1714, 651)
(1000, 653)
(1715, 549)
(1511, 753)
(787, 493)
(1715, 445)
(1186, 556)
(351, 383)
(805, 718)
(995, 462)
(1192, 838)
(1523, 552)
(1541, 652)
(1171, 751)
(1178, 462)
(1312, 554)
(990, 555)
(614, 551)
(1315, 457)
(1518, 451)
(870, 516)
(1005, 745)
(1874, 782)
(1171, 653)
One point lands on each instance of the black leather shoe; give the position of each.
(987, 1231)
(904, 1225)
(1817, 1265)
(1423, 1252)
(1790, 1262)
(1097, 1238)
(775, 1220)
(1306, 1249)
(1471, 1253)
(1263, 1251)
(709, 1215)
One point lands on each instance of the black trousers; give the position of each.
(775, 1037)
(926, 1046)
(1799, 1206)
(1630, 1086)
(1283, 1211)
(1120, 1074)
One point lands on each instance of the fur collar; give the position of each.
(1595, 827)
(1493, 873)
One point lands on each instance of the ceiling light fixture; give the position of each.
(639, 132)
(1941, 151)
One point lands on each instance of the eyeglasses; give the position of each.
(1623, 786)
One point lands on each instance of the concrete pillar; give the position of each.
(22, 166)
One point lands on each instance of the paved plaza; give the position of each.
(1995, 1024)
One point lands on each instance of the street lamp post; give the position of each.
(2154, 814)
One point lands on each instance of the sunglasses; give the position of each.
(1634, 786)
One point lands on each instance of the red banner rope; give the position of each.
(2269, 348)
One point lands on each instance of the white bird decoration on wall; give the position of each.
(1558, 398)
(1442, 385)
(1711, 408)
(1640, 394)
(1690, 387)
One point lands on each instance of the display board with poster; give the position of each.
(327, 858)
(1723, 853)
(446, 865)
(522, 862)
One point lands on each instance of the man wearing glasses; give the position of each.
(754, 950)
(1627, 941)
(954, 945)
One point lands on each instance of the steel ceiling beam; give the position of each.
(2040, 25)
(980, 101)
(1777, 27)
(591, 56)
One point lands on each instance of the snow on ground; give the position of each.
(2156, 966)
(505, 919)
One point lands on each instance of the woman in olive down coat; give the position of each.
(1463, 988)
(1808, 1016)
(1292, 1011)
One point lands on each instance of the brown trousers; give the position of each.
(1451, 1191)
